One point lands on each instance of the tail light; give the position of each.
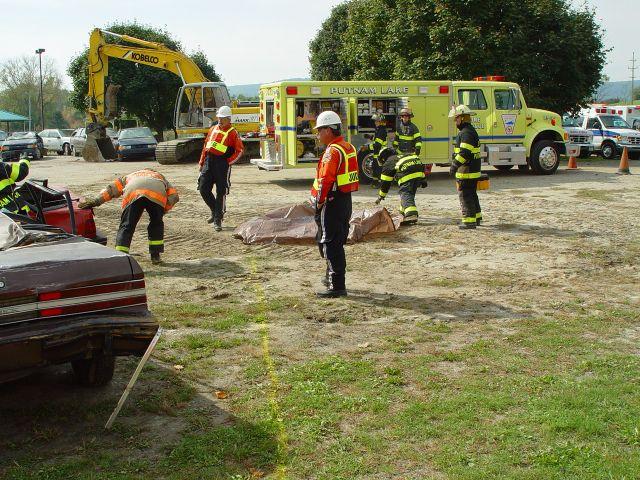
(91, 299)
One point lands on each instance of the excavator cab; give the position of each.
(197, 105)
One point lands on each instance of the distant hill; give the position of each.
(610, 90)
(251, 89)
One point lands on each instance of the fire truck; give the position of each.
(511, 133)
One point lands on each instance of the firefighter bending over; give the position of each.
(142, 190)
(466, 166)
(336, 178)
(408, 171)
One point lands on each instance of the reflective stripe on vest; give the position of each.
(347, 177)
(218, 145)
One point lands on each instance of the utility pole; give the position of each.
(29, 112)
(633, 69)
(40, 51)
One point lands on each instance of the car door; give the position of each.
(509, 122)
(46, 141)
(594, 126)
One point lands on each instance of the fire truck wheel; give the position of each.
(608, 150)
(503, 168)
(544, 157)
(365, 164)
(95, 371)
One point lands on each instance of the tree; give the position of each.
(146, 92)
(327, 46)
(20, 81)
(636, 94)
(554, 51)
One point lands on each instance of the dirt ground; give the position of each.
(547, 241)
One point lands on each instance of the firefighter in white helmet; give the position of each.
(222, 148)
(336, 178)
(466, 166)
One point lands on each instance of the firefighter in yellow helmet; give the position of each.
(466, 166)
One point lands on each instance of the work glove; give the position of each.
(453, 169)
(88, 203)
(423, 183)
(378, 200)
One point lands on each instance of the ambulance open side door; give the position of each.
(289, 131)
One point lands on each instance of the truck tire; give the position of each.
(503, 168)
(608, 150)
(365, 165)
(95, 371)
(66, 149)
(545, 158)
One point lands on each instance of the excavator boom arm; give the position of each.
(147, 53)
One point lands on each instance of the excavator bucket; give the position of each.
(98, 147)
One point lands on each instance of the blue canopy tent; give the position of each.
(9, 117)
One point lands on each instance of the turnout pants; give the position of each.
(407, 192)
(333, 228)
(467, 192)
(130, 217)
(215, 171)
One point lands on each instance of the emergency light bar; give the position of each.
(490, 78)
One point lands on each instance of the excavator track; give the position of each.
(180, 150)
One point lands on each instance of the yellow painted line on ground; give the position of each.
(274, 384)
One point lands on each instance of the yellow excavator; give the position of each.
(196, 106)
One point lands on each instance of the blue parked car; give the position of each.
(136, 143)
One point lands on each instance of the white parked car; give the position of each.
(57, 140)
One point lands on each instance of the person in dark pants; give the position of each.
(222, 148)
(336, 178)
(466, 167)
(408, 171)
(144, 190)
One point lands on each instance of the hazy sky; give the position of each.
(248, 41)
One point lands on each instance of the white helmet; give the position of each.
(223, 112)
(328, 119)
(459, 110)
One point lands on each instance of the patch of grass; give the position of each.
(599, 195)
(445, 282)
(218, 318)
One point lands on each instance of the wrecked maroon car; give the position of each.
(65, 299)
(56, 206)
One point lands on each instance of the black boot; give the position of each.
(336, 287)
(467, 226)
(155, 258)
(217, 225)
(478, 221)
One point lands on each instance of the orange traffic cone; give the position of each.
(623, 169)
(573, 164)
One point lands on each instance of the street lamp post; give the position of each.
(40, 51)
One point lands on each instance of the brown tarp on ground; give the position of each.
(296, 225)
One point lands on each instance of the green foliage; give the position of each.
(147, 93)
(554, 51)
(20, 80)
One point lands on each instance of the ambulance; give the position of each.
(631, 113)
(611, 132)
(511, 134)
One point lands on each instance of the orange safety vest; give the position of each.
(218, 139)
(347, 178)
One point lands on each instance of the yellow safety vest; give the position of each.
(350, 174)
(219, 145)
